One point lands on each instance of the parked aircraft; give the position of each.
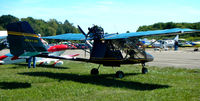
(196, 43)
(3, 34)
(165, 43)
(56, 50)
(148, 43)
(3, 41)
(107, 49)
(184, 43)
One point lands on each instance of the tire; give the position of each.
(119, 74)
(94, 71)
(144, 70)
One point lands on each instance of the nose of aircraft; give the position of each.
(149, 57)
(57, 48)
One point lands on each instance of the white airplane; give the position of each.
(3, 34)
(10, 59)
(56, 62)
(3, 41)
(165, 43)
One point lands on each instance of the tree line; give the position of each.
(169, 25)
(45, 28)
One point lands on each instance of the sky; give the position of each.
(113, 15)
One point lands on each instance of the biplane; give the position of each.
(111, 50)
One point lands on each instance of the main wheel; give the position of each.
(144, 70)
(196, 49)
(94, 71)
(119, 74)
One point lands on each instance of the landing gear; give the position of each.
(94, 71)
(119, 74)
(196, 49)
(144, 70)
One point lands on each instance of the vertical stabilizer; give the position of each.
(23, 40)
(176, 38)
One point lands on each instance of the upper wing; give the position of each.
(79, 36)
(68, 36)
(173, 31)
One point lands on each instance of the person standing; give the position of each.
(30, 60)
(175, 45)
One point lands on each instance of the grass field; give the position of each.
(73, 81)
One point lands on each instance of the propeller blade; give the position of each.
(83, 34)
(82, 31)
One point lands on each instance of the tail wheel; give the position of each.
(119, 74)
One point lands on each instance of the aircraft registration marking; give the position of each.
(31, 40)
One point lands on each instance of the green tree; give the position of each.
(50, 31)
(6, 19)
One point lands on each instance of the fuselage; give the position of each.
(115, 53)
(113, 61)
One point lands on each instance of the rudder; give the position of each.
(23, 40)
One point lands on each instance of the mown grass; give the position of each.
(73, 81)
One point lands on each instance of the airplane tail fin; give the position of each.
(23, 41)
(176, 38)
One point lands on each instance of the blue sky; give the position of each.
(113, 15)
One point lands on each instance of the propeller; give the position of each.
(86, 36)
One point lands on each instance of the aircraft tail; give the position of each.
(176, 38)
(23, 41)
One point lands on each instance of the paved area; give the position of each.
(180, 59)
(184, 58)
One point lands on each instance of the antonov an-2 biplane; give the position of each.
(106, 49)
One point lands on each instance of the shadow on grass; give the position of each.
(14, 85)
(103, 80)
(43, 66)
